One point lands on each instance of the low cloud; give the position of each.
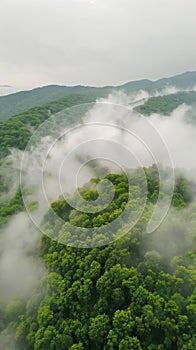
(19, 270)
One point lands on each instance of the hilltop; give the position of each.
(19, 102)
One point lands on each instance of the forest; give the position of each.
(137, 292)
(16, 131)
(97, 175)
(165, 105)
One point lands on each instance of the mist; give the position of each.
(176, 234)
(19, 269)
(112, 137)
(58, 160)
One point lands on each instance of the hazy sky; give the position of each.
(94, 42)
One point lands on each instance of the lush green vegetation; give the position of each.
(136, 293)
(10, 208)
(166, 104)
(182, 81)
(17, 130)
(21, 101)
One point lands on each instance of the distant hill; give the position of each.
(16, 131)
(182, 81)
(21, 101)
(166, 104)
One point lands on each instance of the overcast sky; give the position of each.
(94, 42)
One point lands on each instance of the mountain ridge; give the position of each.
(20, 101)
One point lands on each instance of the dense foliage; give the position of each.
(136, 293)
(17, 130)
(14, 205)
(167, 104)
(21, 101)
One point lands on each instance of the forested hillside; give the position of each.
(97, 175)
(21, 101)
(167, 104)
(17, 130)
(136, 293)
